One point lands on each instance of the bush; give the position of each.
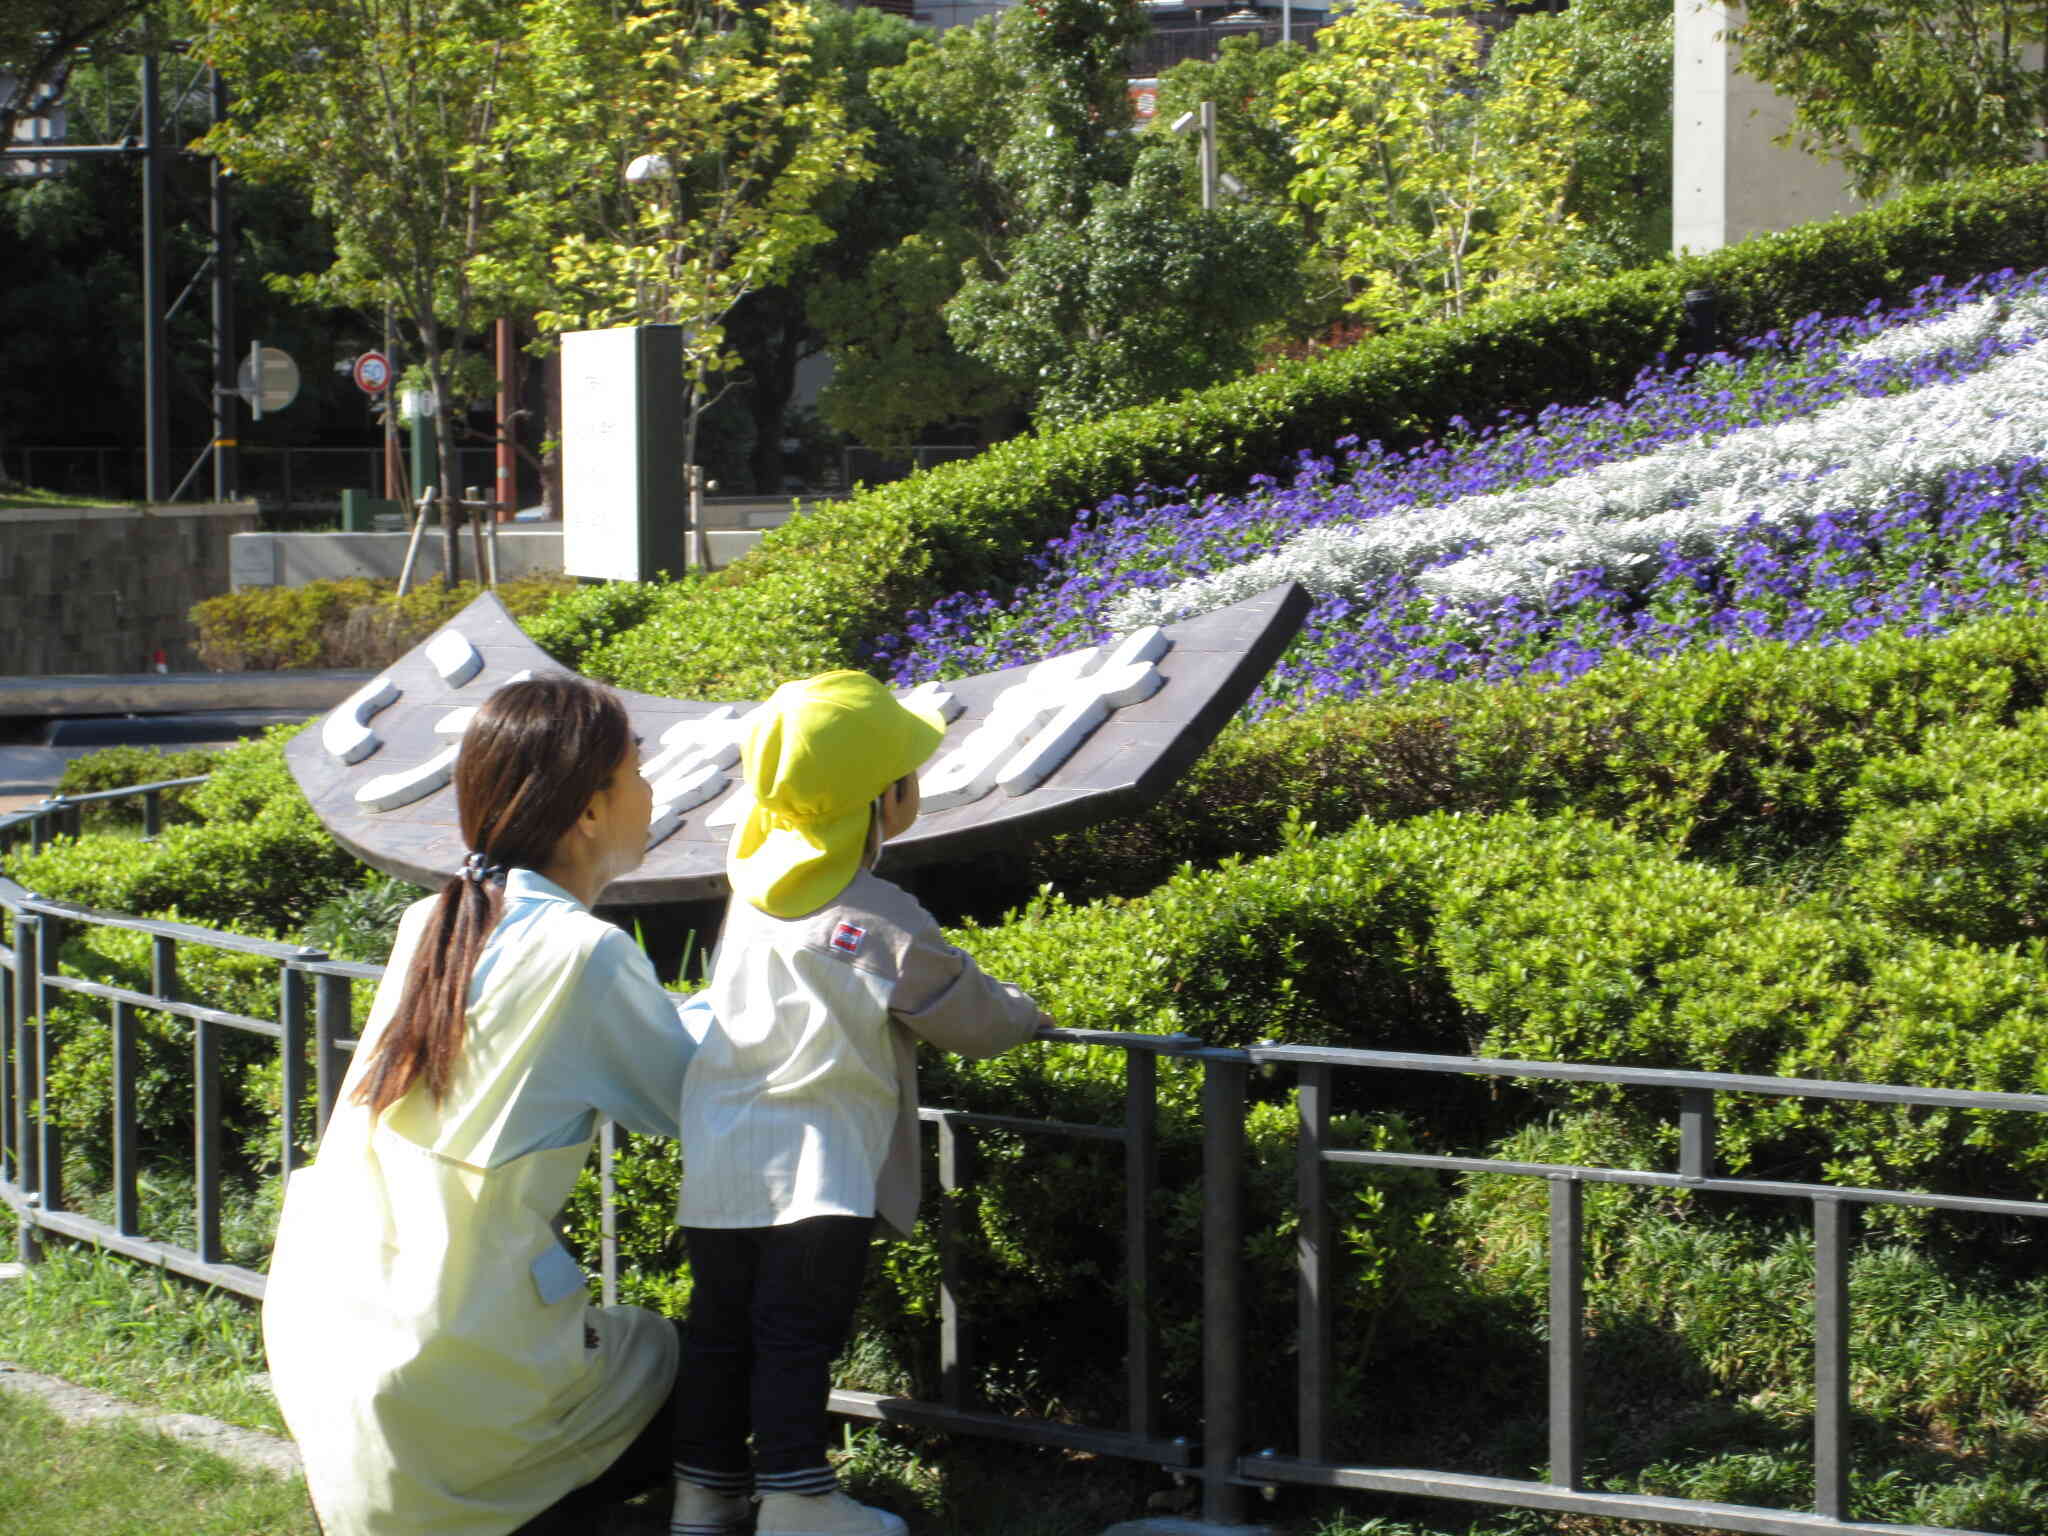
(820, 587)
(119, 767)
(349, 624)
(257, 858)
(1714, 754)
(1953, 840)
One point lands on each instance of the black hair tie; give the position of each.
(479, 869)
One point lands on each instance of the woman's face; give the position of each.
(623, 809)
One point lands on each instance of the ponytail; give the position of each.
(536, 754)
(425, 1035)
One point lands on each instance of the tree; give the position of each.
(41, 42)
(383, 113)
(1432, 182)
(691, 149)
(1905, 92)
(1094, 278)
(1619, 65)
(1144, 296)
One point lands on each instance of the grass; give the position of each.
(118, 1479)
(25, 496)
(141, 1334)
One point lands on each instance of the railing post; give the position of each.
(27, 990)
(152, 813)
(1225, 1075)
(127, 1211)
(1831, 1238)
(1567, 1331)
(1141, 1241)
(333, 997)
(956, 1343)
(1696, 1133)
(608, 1213)
(291, 1021)
(49, 1134)
(1313, 1257)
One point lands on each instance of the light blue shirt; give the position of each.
(629, 1046)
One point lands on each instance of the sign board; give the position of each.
(1029, 751)
(268, 379)
(625, 505)
(372, 373)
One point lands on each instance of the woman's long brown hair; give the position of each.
(531, 760)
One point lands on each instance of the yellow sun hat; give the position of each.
(817, 755)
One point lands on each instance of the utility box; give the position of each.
(625, 506)
(359, 511)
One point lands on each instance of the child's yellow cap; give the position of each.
(815, 759)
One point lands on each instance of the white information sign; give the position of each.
(606, 484)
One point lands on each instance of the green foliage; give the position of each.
(361, 923)
(1950, 840)
(257, 859)
(1143, 297)
(584, 616)
(741, 141)
(1711, 755)
(119, 767)
(821, 586)
(1618, 55)
(1909, 93)
(352, 623)
(1434, 178)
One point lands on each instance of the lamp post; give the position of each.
(1203, 116)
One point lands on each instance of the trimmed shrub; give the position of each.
(1953, 840)
(1710, 754)
(256, 860)
(352, 623)
(119, 767)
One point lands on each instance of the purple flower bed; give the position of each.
(1919, 562)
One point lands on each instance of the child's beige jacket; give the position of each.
(802, 1100)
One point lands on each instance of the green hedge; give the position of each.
(119, 767)
(256, 859)
(825, 583)
(1743, 756)
(350, 623)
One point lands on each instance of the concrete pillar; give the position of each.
(1729, 179)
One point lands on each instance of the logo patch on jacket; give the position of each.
(846, 938)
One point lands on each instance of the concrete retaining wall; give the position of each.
(102, 589)
(733, 526)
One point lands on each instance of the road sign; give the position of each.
(372, 373)
(268, 379)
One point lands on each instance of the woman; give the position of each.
(430, 1340)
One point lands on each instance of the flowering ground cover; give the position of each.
(1888, 469)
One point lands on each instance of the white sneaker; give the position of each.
(700, 1512)
(823, 1514)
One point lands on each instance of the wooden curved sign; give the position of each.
(1030, 750)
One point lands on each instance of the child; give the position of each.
(800, 1115)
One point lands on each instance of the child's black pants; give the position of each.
(770, 1309)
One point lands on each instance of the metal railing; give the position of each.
(313, 1030)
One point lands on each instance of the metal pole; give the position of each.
(506, 491)
(220, 219)
(1224, 1078)
(155, 336)
(1208, 155)
(1831, 1358)
(1141, 1239)
(1314, 1246)
(1567, 1332)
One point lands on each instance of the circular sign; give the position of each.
(372, 373)
(268, 379)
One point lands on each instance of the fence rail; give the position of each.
(313, 1034)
